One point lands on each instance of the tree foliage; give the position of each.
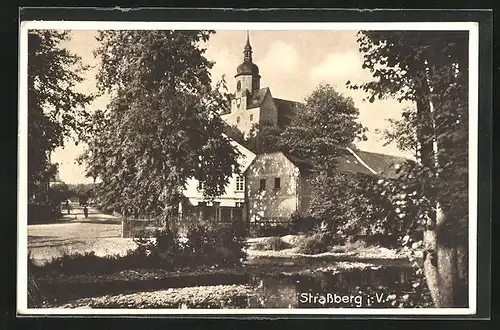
(234, 133)
(56, 110)
(264, 137)
(161, 126)
(431, 69)
(57, 194)
(324, 125)
(403, 132)
(357, 204)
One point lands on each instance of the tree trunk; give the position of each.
(443, 255)
(445, 268)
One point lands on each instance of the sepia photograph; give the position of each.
(183, 168)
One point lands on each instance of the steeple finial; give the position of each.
(248, 50)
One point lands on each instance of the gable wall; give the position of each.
(272, 204)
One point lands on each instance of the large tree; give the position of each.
(56, 110)
(162, 125)
(431, 70)
(322, 126)
(264, 137)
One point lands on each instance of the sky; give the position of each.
(291, 63)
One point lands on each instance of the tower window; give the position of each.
(238, 120)
(238, 86)
(262, 184)
(251, 117)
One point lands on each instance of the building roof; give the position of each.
(358, 162)
(247, 68)
(302, 163)
(349, 163)
(286, 110)
(255, 99)
(384, 165)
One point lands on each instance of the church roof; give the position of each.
(286, 110)
(247, 68)
(257, 97)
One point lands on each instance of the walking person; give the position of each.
(85, 211)
(68, 207)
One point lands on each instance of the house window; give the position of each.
(240, 182)
(251, 117)
(237, 120)
(262, 184)
(277, 183)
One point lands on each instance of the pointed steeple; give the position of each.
(248, 68)
(247, 50)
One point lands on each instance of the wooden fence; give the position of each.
(134, 227)
(269, 227)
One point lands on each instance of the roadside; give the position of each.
(73, 233)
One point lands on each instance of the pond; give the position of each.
(287, 284)
(376, 286)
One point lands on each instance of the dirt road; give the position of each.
(74, 233)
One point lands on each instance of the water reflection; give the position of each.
(353, 288)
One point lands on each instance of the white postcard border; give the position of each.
(22, 278)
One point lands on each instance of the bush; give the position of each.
(274, 243)
(89, 263)
(207, 245)
(380, 210)
(355, 244)
(313, 244)
(270, 229)
(321, 240)
(42, 213)
(301, 223)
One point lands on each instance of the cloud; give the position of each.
(225, 65)
(337, 68)
(280, 57)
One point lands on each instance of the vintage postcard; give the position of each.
(209, 168)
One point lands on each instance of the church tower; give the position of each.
(250, 104)
(247, 73)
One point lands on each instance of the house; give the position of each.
(251, 104)
(276, 187)
(277, 183)
(230, 206)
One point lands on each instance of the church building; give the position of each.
(251, 104)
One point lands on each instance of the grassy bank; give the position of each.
(218, 296)
(298, 246)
